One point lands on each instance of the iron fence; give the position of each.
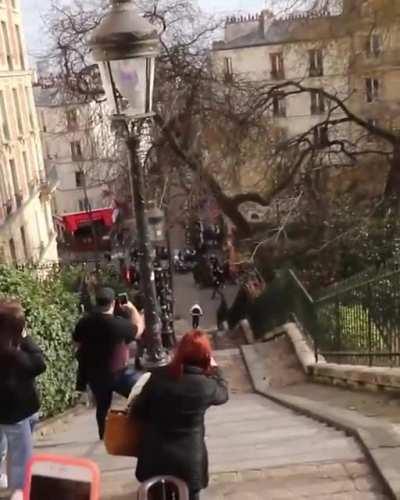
(360, 323)
(355, 322)
(367, 274)
(284, 299)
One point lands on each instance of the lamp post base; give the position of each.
(152, 361)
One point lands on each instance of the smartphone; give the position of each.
(123, 298)
(51, 477)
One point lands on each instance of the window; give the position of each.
(5, 182)
(18, 111)
(316, 62)
(14, 176)
(321, 136)
(13, 252)
(3, 188)
(372, 89)
(7, 45)
(79, 179)
(43, 121)
(24, 245)
(277, 68)
(374, 47)
(76, 150)
(4, 119)
(317, 102)
(26, 166)
(28, 103)
(20, 48)
(228, 69)
(278, 105)
(373, 123)
(39, 230)
(84, 205)
(72, 118)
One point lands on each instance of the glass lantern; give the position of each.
(156, 223)
(125, 46)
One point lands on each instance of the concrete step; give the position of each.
(344, 481)
(252, 432)
(271, 437)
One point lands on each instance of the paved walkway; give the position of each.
(258, 451)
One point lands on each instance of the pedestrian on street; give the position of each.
(21, 361)
(172, 406)
(197, 312)
(218, 279)
(103, 343)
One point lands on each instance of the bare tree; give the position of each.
(209, 130)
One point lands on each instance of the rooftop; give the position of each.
(267, 29)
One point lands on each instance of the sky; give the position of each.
(32, 10)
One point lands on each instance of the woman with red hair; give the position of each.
(172, 406)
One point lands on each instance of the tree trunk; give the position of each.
(392, 188)
(229, 208)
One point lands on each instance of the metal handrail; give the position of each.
(369, 274)
(181, 486)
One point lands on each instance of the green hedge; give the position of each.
(52, 311)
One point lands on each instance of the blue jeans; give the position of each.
(16, 443)
(103, 392)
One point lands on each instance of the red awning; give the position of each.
(72, 222)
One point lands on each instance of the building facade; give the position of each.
(79, 145)
(26, 223)
(353, 54)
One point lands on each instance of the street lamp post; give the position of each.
(125, 46)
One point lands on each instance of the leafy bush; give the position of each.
(52, 311)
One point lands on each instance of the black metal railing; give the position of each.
(367, 274)
(284, 299)
(360, 323)
(356, 321)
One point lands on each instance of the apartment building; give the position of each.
(354, 54)
(26, 223)
(78, 145)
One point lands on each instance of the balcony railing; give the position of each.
(317, 71)
(278, 74)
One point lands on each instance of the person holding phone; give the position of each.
(21, 361)
(103, 340)
(172, 406)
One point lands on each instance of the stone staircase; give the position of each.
(262, 451)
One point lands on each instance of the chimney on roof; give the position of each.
(267, 18)
(241, 26)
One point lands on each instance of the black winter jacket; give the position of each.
(18, 369)
(173, 412)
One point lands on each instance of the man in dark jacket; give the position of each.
(103, 351)
(21, 361)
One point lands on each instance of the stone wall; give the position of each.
(350, 376)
